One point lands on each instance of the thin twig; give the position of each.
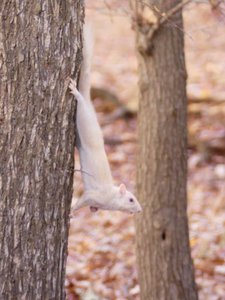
(162, 17)
(82, 171)
(173, 11)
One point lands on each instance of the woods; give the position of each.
(40, 46)
(163, 128)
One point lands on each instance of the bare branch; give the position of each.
(173, 11)
(145, 45)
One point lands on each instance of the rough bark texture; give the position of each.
(165, 265)
(39, 49)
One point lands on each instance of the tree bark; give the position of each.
(165, 265)
(39, 49)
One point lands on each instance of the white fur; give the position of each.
(100, 192)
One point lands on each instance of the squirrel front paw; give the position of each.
(93, 209)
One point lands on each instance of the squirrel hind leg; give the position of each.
(74, 90)
(73, 84)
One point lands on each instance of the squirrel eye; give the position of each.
(131, 200)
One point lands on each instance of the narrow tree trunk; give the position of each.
(165, 265)
(38, 52)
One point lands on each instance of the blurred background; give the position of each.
(101, 262)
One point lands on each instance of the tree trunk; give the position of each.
(165, 265)
(39, 49)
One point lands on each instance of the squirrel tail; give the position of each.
(85, 80)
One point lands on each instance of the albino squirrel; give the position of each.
(99, 190)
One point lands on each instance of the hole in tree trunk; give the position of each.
(163, 235)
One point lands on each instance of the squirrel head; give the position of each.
(127, 201)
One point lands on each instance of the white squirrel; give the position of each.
(99, 190)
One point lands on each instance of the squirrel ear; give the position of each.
(122, 189)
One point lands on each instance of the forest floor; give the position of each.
(101, 262)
